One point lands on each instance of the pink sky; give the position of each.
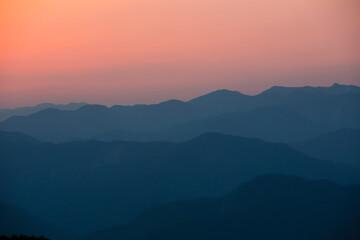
(145, 51)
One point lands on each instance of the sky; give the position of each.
(145, 51)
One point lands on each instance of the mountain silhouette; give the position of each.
(320, 111)
(83, 186)
(341, 146)
(267, 207)
(335, 89)
(24, 111)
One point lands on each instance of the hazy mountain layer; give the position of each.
(267, 207)
(84, 186)
(342, 146)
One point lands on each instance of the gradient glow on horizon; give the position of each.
(145, 51)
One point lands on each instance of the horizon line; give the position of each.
(173, 99)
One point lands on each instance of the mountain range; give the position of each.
(116, 180)
(279, 114)
(129, 172)
(24, 111)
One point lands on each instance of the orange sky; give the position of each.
(132, 51)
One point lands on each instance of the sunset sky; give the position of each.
(145, 51)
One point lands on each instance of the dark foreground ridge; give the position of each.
(267, 207)
(22, 237)
(17, 223)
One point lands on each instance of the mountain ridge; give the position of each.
(25, 111)
(332, 111)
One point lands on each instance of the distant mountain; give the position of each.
(323, 108)
(91, 120)
(86, 186)
(24, 111)
(223, 101)
(15, 221)
(342, 146)
(302, 117)
(335, 89)
(267, 207)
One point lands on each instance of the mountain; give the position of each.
(267, 207)
(342, 146)
(223, 101)
(84, 186)
(302, 117)
(335, 89)
(24, 111)
(15, 221)
(327, 111)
